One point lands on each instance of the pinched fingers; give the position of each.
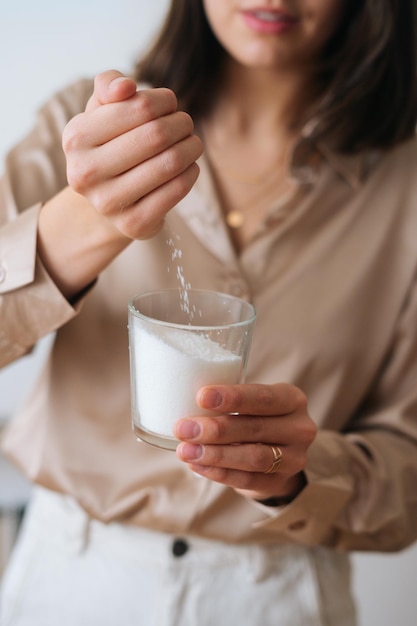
(100, 125)
(134, 157)
(145, 218)
(117, 196)
(162, 136)
(110, 86)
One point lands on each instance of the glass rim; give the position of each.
(190, 326)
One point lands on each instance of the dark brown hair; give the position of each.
(367, 74)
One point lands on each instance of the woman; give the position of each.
(304, 205)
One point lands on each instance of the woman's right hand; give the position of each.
(130, 159)
(131, 154)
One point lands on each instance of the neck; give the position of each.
(272, 103)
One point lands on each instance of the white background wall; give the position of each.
(44, 45)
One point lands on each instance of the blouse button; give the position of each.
(179, 547)
(2, 273)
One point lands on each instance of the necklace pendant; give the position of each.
(235, 219)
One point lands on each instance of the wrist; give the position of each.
(75, 243)
(282, 500)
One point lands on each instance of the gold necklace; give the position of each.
(248, 192)
(265, 187)
(235, 218)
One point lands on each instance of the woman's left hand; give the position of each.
(240, 450)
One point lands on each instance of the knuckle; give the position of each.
(216, 454)
(72, 136)
(143, 106)
(220, 474)
(182, 183)
(81, 176)
(101, 79)
(172, 161)
(169, 96)
(186, 121)
(258, 458)
(196, 146)
(131, 220)
(181, 156)
(312, 431)
(216, 428)
(136, 111)
(147, 103)
(74, 177)
(157, 133)
(101, 201)
(307, 432)
(300, 399)
(139, 222)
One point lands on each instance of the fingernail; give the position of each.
(211, 399)
(190, 451)
(187, 429)
(117, 81)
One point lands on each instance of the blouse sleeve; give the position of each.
(31, 305)
(362, 483)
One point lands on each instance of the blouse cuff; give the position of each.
(18, 250)
(310, 518)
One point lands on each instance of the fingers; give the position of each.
(145, 218)
(244, 468)
(145, 141)
(111, 86)
(234, 429)
(249, 458)
(131, 154)
(168, 140)
(244, 457)
(98, 126)
(138, 200)
(266, 413)
(279, 399)
(239, 449)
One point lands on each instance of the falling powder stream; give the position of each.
(184, 286)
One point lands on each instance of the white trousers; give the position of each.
(69, 570)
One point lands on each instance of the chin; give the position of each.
(257, 57)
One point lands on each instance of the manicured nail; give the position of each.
(211, 399)
(190, 451)
(187, 429)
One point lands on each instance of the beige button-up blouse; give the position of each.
(334, 286)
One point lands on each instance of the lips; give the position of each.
(269, 16)
(266, 20)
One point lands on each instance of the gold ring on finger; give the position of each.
(277, 452)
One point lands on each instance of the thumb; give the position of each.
(111, 86)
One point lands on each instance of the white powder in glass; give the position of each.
(171, 365)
